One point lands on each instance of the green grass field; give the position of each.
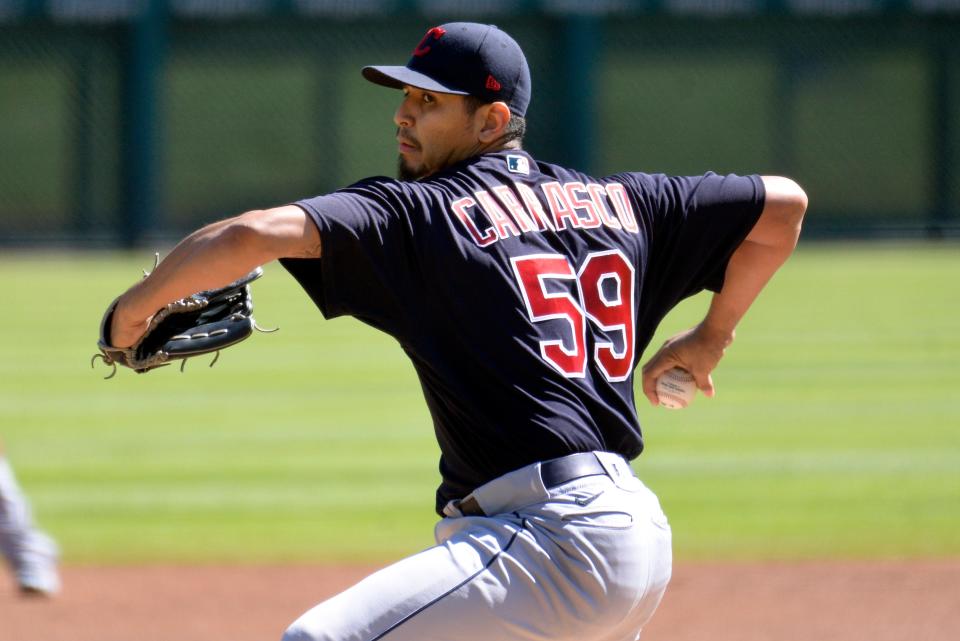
(835, 432)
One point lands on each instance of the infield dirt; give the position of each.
(808, 601)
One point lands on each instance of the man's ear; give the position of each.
(494, 123)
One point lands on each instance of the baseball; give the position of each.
(676, 388)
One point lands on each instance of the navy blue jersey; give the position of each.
(524, 293)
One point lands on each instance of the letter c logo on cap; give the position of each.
(433, 35)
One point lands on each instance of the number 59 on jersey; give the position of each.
(608, 308)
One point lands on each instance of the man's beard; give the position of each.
(408, 173)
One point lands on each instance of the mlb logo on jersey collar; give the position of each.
(518, 164)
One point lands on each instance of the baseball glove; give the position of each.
(202, 323)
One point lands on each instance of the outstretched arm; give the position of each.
(211, 257)
(767, 246)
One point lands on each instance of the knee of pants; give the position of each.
(298, 632)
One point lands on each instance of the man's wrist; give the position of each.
(717, 331)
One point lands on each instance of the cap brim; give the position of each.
(398, 77)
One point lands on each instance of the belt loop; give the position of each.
(451, 509)
(469, 506)
(616, 466)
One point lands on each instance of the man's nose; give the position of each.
(402, 116)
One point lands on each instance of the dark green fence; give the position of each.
(126, 120)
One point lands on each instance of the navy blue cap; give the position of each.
(464, 58)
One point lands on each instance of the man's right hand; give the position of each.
(766, 247)
(696, 350)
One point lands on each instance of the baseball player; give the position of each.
(30, 553)
(524, 293)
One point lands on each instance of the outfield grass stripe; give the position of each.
(918, 462)
(835, 432)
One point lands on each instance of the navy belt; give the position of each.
(553, 473)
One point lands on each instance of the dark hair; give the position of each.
(516, 128)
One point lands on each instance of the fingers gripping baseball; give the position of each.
(695, 350)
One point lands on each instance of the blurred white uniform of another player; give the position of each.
(32, 554)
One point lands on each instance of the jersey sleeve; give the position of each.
(366, 259)
(694, 224)
(691, 226)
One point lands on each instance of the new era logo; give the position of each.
(492, 84)
(518, 164)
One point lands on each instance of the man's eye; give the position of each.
(427, 97)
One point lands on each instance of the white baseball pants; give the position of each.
(588, 560)
(16, 521)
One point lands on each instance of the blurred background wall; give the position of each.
(125, 122)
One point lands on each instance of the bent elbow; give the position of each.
(785, 198)
(786, 201)
(784, 208)
(795, 205)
